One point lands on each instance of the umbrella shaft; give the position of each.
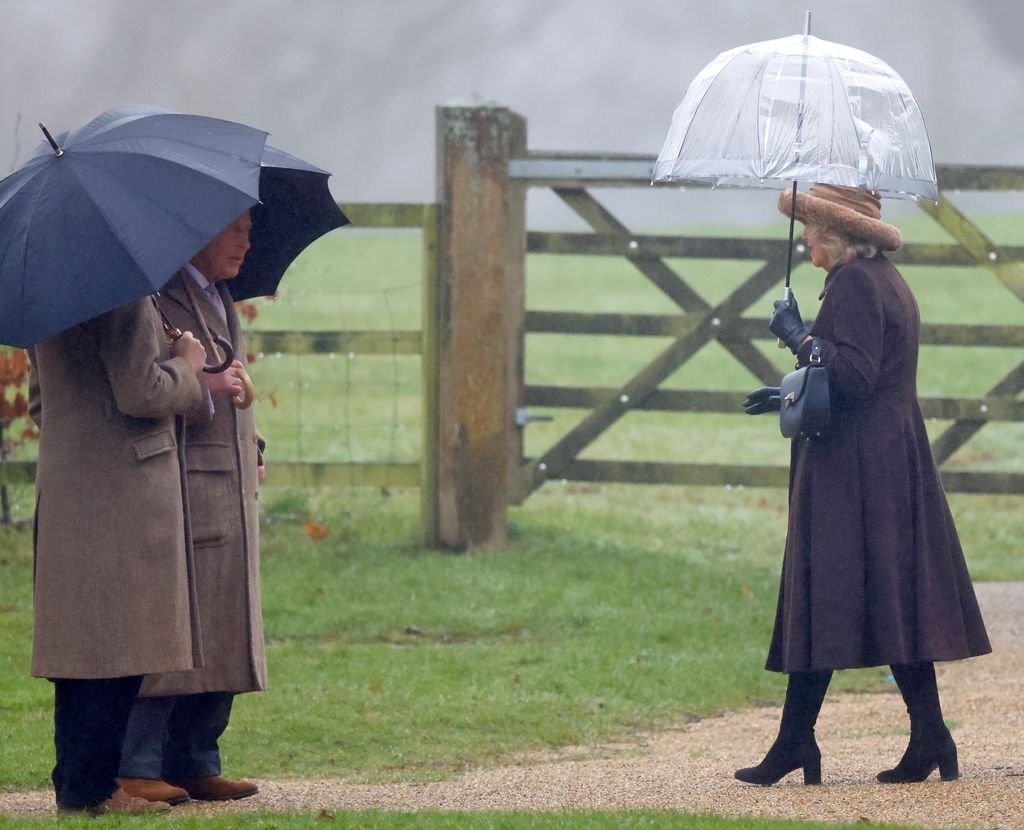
(56, 149)
(789, 250)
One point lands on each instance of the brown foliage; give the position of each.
(314, 531)
(247, 310)
(14, 369)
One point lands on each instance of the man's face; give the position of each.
(222, 257)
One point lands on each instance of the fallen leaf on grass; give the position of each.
(314, 531)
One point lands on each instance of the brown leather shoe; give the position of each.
(127, 805)
(215, 788)
(150, 789)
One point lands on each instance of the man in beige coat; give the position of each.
(113, 592)
(171, 747)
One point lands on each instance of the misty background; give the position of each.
(351, 85)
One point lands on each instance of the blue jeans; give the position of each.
(172, 738)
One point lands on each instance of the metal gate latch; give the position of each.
(524, 417)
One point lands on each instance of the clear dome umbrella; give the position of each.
(799, 109)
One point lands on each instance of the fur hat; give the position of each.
(849, 210)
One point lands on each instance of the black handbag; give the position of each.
(804, 406)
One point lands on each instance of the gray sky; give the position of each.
(351, 85)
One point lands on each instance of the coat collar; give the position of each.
(176, 292)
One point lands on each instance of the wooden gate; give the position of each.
(494, 241)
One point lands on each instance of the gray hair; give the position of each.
(838, 247)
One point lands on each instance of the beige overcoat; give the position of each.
(221, 462)
(112, 585)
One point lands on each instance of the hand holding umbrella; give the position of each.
(174, 334)
(231, 383)
(186, 346)
(229, 375)
(787, 324)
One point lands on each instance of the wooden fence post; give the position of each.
(430, 333)
(480, 314)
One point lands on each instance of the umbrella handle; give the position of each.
(248, 393)
(173, 333)
(216, 369)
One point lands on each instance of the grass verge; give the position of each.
(433, 820)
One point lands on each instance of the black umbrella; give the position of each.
(295, 208)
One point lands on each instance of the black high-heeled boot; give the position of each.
(783, 758)
(931, 746)
(795, 747)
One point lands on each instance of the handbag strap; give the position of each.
(815, 356)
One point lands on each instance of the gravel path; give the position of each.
(689, 768)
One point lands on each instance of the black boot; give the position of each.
(795, 746)
(931, 746)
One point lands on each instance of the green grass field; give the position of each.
(429, 820)
(614, 608)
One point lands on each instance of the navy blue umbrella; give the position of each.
(107, 213)
(296, 207)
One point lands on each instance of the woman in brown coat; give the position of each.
(873, 572)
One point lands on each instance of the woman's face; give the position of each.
(818, 257)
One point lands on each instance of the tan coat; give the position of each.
(221, 461)
(113, 593)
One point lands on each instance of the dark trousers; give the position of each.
(173, 738)
(89, 722)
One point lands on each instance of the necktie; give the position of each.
(214, 295)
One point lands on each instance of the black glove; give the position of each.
(788, 325)
(765, 399)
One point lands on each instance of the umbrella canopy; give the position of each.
(105, 214)
(799, 109)
(296, 207)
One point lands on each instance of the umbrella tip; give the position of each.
(57, 150)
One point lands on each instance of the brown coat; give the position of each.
(873, 571)
(221, 461)
(113, 594)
